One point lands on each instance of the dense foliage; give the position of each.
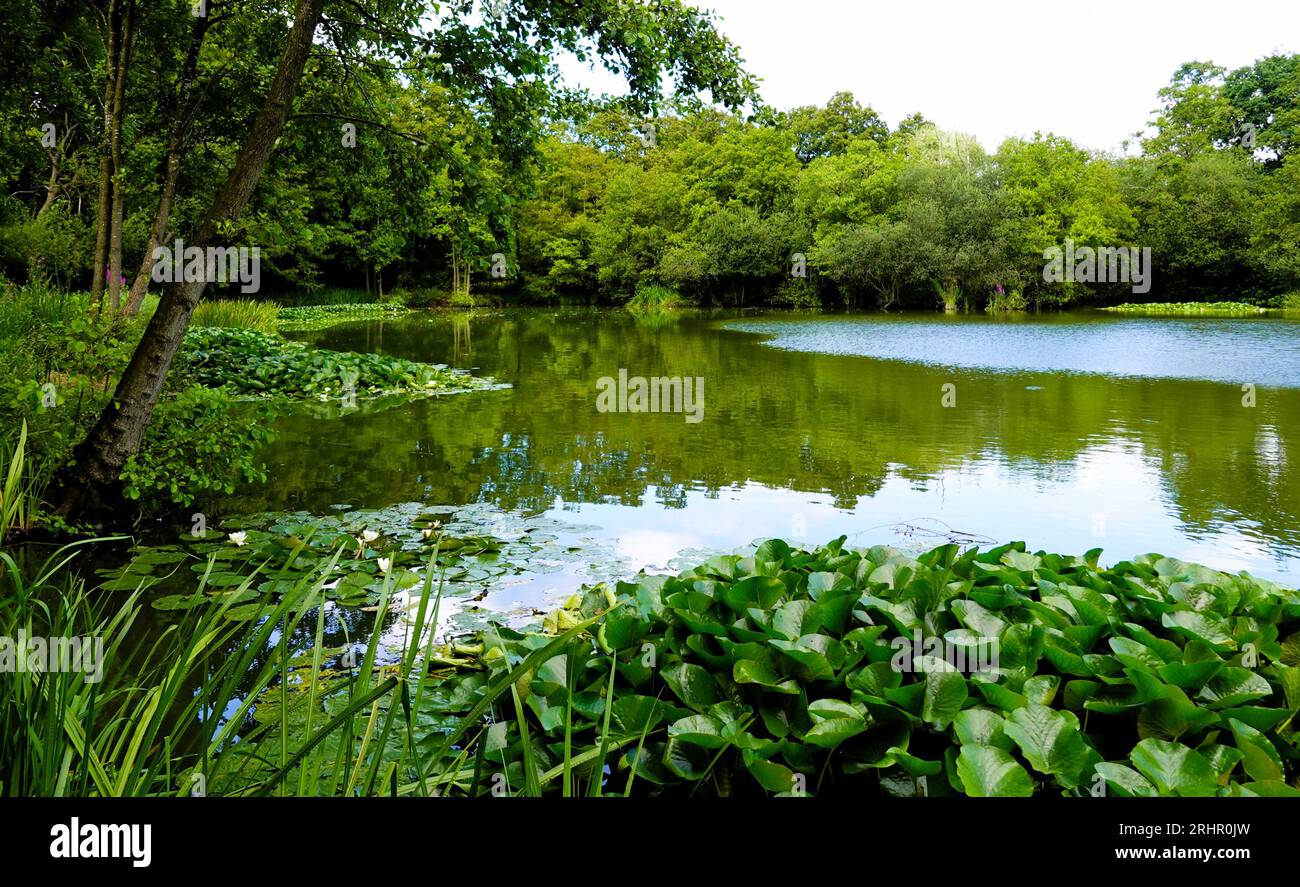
(250, 363)
(786, 671)
(783, 672)
(442, 182)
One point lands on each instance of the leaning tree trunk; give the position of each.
(95, 490)
(102, 208)
(175, 143)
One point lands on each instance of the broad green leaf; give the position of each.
(1174, 769)
(1049, 740)
(989, 772)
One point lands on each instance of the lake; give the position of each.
(1069, 431)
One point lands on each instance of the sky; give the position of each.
(994, 69)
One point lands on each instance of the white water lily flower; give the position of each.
(384, 564)
(369, 535)
(238, 537)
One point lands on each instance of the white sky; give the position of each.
(993, 68)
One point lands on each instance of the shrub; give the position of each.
(654, 297)
(196, 444)
(1013, 300)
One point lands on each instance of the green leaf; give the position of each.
(1259, 756)
(1050, 741)
(988, 772)
(1174, 769)
(945, 694)
(1125, 781)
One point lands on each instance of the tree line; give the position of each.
(397, 144)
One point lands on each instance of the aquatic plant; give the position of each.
(253, 364)
(1184, 308)
(783, 672)
(320, 316)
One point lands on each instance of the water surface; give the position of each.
(1068, 431)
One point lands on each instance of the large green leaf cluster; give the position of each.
(780, 672)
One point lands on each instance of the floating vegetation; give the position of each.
(783, 672)
(311, 317)
(255, 364)
(1225, 309)
(479, 550)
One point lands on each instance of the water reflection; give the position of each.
(1041, 445)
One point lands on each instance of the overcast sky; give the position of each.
(1089, 71)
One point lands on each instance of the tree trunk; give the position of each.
(102, 208)
(175, 144)
(119, 170)
(96, 488)
(55, 185)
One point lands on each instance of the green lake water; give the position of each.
(1068, 431)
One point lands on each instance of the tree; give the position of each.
(503, 55)
(829, 130)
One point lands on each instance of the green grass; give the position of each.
(243, 314)
(18, 495)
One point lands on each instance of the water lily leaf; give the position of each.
(692, 684)
(1125, 781)
(635, 715)
(820, 583)
(989, 772)
(1233, 686)
(687, 760)
(1172, 715)
(794, 619)
(1259, 756)
(818, 654)
(874, 679)
(1041, 689)
(1190, 675)
(1201, 627)
(1272, 789)
(181, 601)
(826, 709)
(1050, 740)
(981, 726)
(701, 730)
(770, 775)
(1174, 769)
(831, 732)
(755, 591)
(945, 694)
(749, 671)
